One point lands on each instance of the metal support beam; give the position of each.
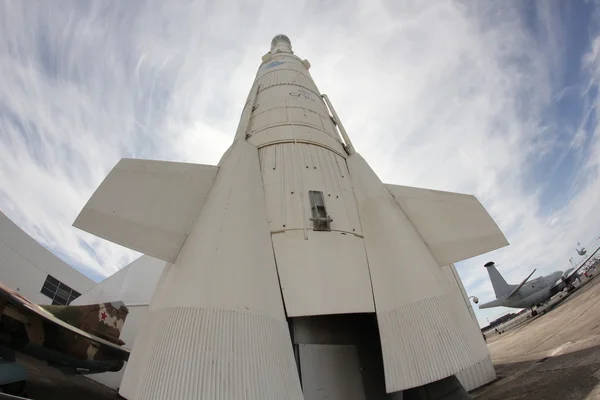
(349, 146)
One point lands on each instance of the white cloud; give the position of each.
(446, 95)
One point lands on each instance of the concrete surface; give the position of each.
(553, 356)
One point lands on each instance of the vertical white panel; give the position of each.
(468, 325)
(412, 297)
(325, 274)
(330, 372)
(290, 170)
(320, 272)
(193, 353)
(483, 371)
(477, 375)
(216, 326)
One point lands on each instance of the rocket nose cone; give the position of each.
(281, 43)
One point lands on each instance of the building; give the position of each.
(35, 272)
(134, 285)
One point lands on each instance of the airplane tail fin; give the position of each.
(104, 320)
(501, 288)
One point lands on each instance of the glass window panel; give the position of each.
(49, 293)
(52, 280)
(64, 287)
(63, 293)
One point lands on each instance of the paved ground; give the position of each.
(554, 356)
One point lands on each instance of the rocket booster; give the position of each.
(291, 224)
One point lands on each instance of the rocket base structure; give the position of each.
(295, 272)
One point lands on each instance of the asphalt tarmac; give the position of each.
(553, 356)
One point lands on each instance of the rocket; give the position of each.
(294, 271)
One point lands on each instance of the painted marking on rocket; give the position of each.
(302, 93)
(274, 64)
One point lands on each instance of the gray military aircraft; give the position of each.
(528, 293)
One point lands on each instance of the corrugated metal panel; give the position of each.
(198, 353)
(467, 322)
(325, 274)
(477, 375)
(148, 206)
(287, 77)
(482, 372)
(331, 372)
(455, 226)
(422, 343)
(421, 338)
(290, 170)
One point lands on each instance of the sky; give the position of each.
(494, 98)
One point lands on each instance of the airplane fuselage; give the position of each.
(531, 294)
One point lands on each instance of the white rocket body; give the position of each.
(291, 224)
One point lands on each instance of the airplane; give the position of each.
(75, 339)
(527, 294)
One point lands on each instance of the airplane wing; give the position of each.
(581, 265)
(520, 284)
(28, 309)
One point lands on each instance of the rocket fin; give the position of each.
(408, 286)
(148, 206)
(454, 226)
(216, 321)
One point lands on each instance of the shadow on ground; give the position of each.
(569, 376)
